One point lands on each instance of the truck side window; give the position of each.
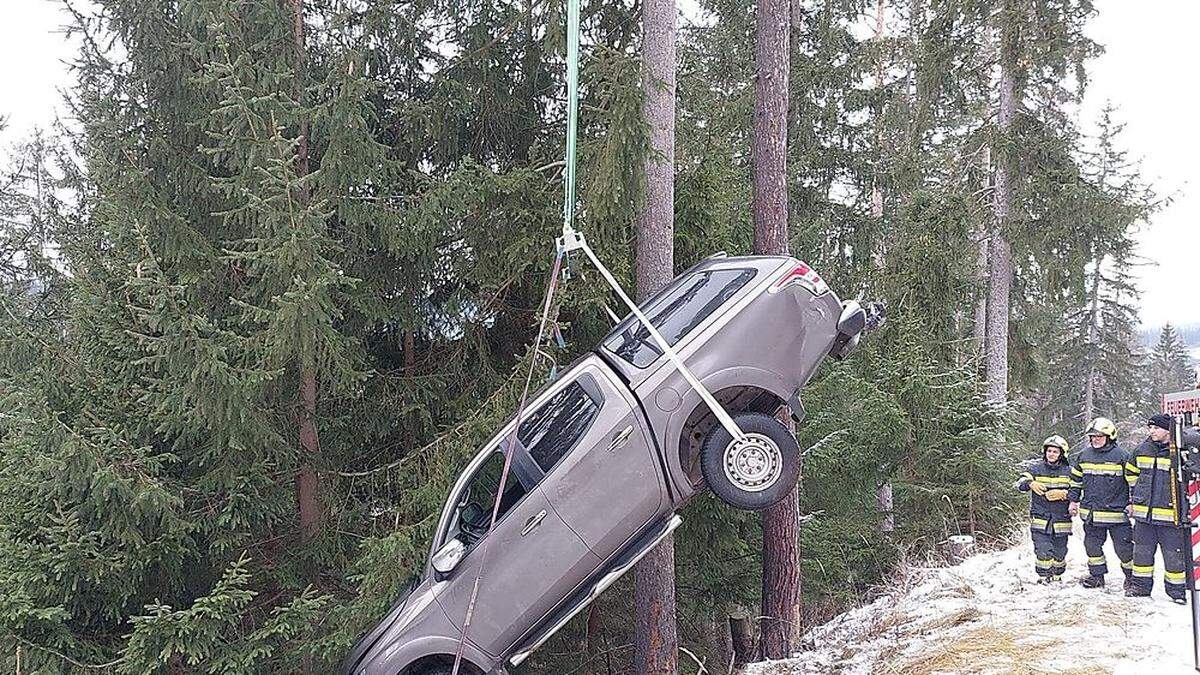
(478, 500)
(675, 312)
(552, 430)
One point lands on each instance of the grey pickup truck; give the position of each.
(605, 456)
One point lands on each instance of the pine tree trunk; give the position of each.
(983, 230)
(772, 28)
(781, 523)
(656, 645)
(1000, 250)
(307, 480)
(1093, 339)
(979, 325)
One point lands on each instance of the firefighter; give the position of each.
(1099, 495)
(1153, 505)
(1047, 480)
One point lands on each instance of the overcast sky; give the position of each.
(1151, 55)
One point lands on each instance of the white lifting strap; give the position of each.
(574, 241)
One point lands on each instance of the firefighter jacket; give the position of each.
(1153, 492)
(1047, 515)
(1098, 484)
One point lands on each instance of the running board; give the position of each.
(599, 587)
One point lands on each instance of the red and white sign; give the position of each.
(1182, 402)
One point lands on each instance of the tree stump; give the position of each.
(959, 547)
(741, 632)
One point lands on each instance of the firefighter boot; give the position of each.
(1129, 582)
(1133, 591)
(1092, 582)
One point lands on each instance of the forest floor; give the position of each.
(989, 615)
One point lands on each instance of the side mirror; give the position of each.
(447, 558)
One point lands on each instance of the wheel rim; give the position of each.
(754, 463)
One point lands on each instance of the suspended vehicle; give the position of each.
(605, 455)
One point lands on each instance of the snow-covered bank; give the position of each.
(988, 615)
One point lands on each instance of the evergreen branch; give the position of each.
(437, 441)
(503, 35)
(64, 657)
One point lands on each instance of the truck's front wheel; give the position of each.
(753, 473)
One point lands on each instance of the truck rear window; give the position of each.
(552, 430)
(675, 311)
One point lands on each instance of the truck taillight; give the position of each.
(801, 275)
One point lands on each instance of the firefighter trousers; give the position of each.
(1050, 552)
(1147, 537)
(1122, 543)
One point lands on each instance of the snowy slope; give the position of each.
(988, 615)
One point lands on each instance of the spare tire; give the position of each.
(754, 473)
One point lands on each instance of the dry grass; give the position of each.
(984, 649)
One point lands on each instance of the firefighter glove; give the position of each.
(1038, 488)
(1056, 495)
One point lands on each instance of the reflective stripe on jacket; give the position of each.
(1047, 516)
(1149, 473)
(1098, 483)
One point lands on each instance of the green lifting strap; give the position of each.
(572, 113)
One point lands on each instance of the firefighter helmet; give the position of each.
(1056, 441)
(1102, 426)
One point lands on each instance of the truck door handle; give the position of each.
(533, 522)
(620, 439)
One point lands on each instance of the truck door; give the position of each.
(608, 485)
(533, 559)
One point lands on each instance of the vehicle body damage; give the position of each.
(608, 452)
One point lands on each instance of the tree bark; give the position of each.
(1093, 337)
(887, 509)
(1000, 250)
(307, 481)
(656, 644)
(781, 523)
(983, 229)
(772, 28)
(979, 325)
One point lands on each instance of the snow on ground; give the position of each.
(988, 615)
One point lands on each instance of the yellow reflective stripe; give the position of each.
(1128, 565)
(1143, 571)
(1027, 476)
(1038, 522)
(1053, 480)
(1174, 577)
(1161, 463)
(1062, 528)
(1102, 468)
(1155, 513)
(1131, 468)
(1107, 517)
(1044, 563)
(1076, 472)
(1095, 559)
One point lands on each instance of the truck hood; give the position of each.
(366, 642)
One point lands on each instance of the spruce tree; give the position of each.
(1170, 365)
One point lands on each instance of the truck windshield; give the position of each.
(675, 312)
